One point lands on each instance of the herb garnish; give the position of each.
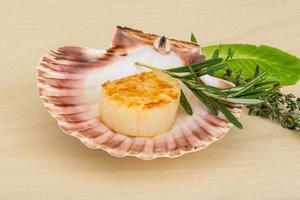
(283, 108)
(241, 65)
(251, 92)
(261, 93)
(279, 107)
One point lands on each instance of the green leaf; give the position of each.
(229, 53)
(214, 68)
(194, 74)
(237, 80)
(258, 85)
(202, 97)
(215, 54)
(185, 104)
(257, 71)
(249, 84)
(244, 101)
(196, 66)
(231, 118)
(281, 66)
(193, 38)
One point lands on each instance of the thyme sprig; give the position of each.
(251, 92)
(283, 108)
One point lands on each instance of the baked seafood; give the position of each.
(69, 79)
(143, 104)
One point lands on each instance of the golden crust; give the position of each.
(151, 37)
(146, 90)
(127, 38)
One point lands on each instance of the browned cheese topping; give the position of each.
(146, 90)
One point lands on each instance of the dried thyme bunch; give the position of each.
(283, 108)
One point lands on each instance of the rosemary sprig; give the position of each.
(252, 92)
(228, 114)
(185, 104)
(202, 97)
(193, 38)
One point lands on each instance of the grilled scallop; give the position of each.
(144, 104)
(69, 79)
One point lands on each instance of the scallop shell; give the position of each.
(69, 80)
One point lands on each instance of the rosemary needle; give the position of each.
(196, 66)
(228, 114)
(185, 104)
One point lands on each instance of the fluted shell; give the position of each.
(70, 78)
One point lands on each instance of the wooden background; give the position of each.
(38, 161)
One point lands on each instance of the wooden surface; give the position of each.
(38, 161)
